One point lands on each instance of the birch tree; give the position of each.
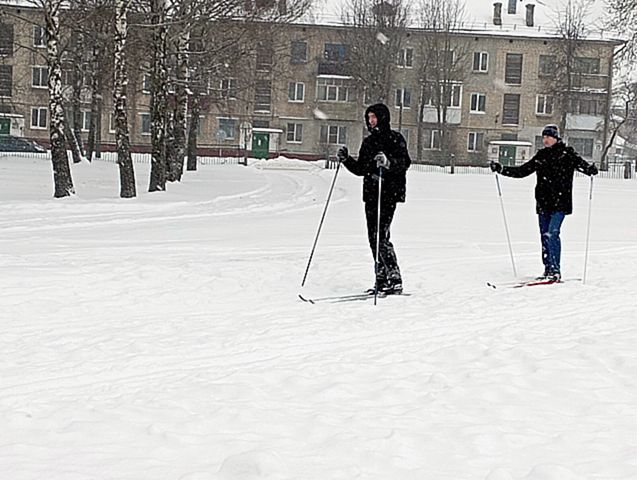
(124, 160)
(61, 170)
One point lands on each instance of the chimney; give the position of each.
(530, 10)
(497, 13)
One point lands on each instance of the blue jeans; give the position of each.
(550, 224)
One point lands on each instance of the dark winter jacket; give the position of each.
(393, 145)
(555, 167)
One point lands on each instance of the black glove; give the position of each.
(592, 169)
(342, 154)
(382, 161)
(495, 167)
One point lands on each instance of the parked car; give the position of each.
(9, 143)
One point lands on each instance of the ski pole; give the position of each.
(318, 232)
(377, 263)
(588, 230)
(506, 226)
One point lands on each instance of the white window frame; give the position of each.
(339, 86)
(473, 145)
(405, 58)
(146, 82)
(228, 88)
(297, 133)
(432, 140)
(234, 128)
(336, 132)
(39, 33)
(483, 62)
(40, 69)
(477, 110)
(399, 97)
(141, 123)
(39, 115)
(111, 123)
(296, 86)
(86, 120)
(431, 103)
(545, 103)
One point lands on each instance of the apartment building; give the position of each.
(303, 102)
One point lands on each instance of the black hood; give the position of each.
(382, 114)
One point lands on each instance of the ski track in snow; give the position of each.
(161, 337)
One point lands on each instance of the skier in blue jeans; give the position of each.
(555, 165)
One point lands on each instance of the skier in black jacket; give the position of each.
(555, 165)
(383, 149)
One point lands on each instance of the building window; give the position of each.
(296, 92)
(298, 51)
(405, 58)
(333, 134)
(539, 142)
(295, 132)
(332, 90)
(403, 97)
(478, 103)
(265, 57)
(588, 106)
(405, 133)
(336, 52)
(431, 139)
(475, 142)
(544, 105)
(228, 127)
(86, 120)
(583, 146)
(451, 95)
(513, 70)
(111, 123)
(40, 77)
(145, 123)
(513, 7)
(6, 39)
(229, 88)
(146, 83)
(511, 109)
(548, 65)
(6, 80)
(39, 36)
(587, 65)
(480, 62)
(39, 117)
(263, 96)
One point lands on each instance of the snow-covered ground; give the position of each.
(162, 337)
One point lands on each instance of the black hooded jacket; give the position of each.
(390, 142)
(555, 167)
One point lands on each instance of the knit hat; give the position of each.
(551, 131)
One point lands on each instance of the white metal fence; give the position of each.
(624, 170)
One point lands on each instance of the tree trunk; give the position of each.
(158, 98)
(181, 106)
(61, 169)
(76, 93)
(96, 101)
(195, 108)
(124, 160)
(171, 152)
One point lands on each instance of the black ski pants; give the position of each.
(388, 272)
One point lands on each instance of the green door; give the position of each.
(507, 155)
(260, 145)
(5, 126)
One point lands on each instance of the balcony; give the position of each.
(334, 68)
(430, 115)
(590, 83)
